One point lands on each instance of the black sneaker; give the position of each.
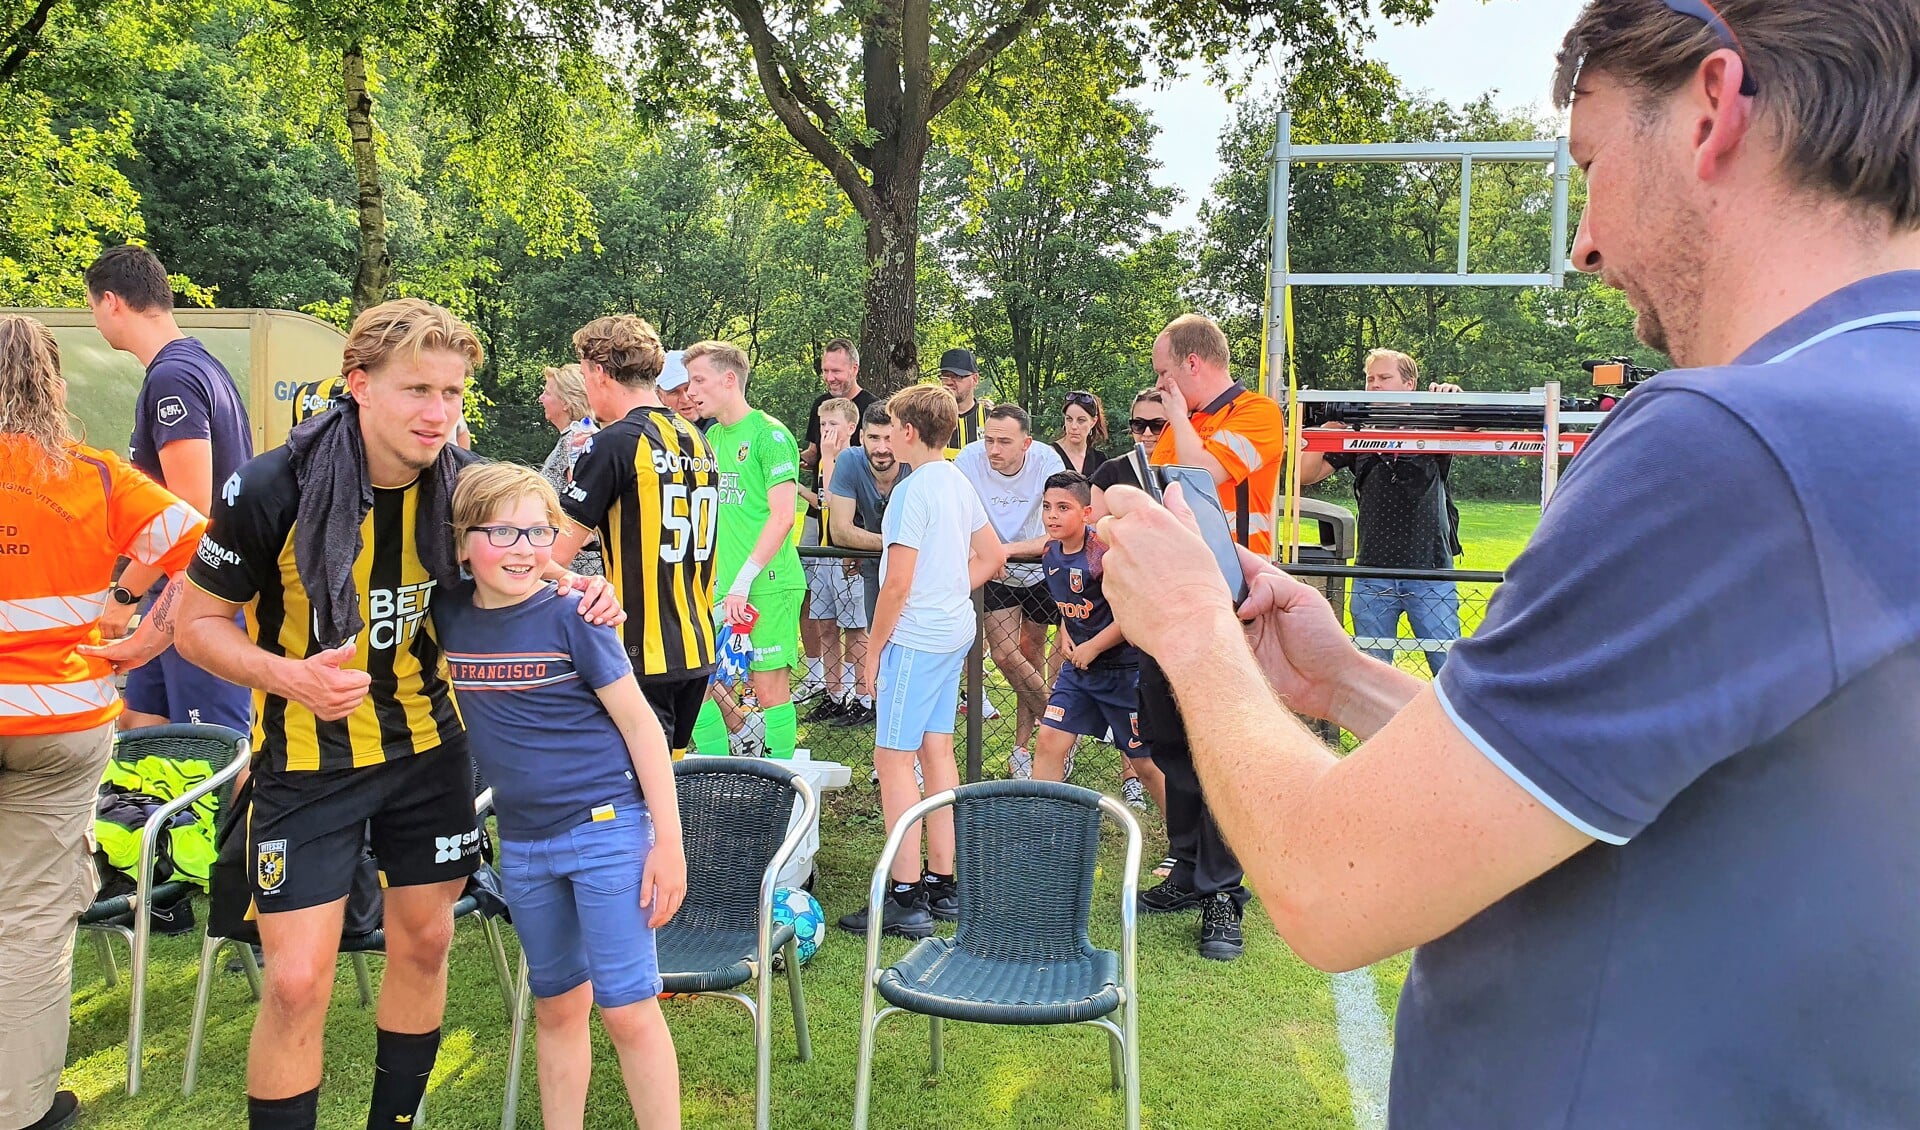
(827, 710)
(1220, 937)
(854, 714)
(943, 898)
(902, 919)
(64, 1112)
(1167, 896)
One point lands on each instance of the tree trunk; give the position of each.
(888, 344)
(376, 265)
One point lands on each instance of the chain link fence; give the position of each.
(1410, 617)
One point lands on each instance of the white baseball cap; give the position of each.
(674, 373)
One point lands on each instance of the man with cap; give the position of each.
(960, 373)
(672, 386)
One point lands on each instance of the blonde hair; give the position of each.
(722, 355)
(1199, 336)
(571, 384)
(486, 489)
(1407, 368)
(407, 327)
(842, 407)
(626, 346)
(930, 409)
(33, 399)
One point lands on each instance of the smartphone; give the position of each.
(1204, 500)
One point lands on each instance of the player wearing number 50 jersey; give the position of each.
(646, 483)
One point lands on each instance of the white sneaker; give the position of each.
(1134, 791)
(1020, 765)
(990, 710)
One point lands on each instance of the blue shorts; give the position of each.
(1092, 702)
(575, 898)
(180, 692)
(916, 694)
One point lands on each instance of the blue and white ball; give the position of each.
(809, 922)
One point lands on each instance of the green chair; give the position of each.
(738, 822)
(126, 915)
(1026, 852)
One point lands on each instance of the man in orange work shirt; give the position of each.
(67, 512)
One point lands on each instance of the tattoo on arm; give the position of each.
(161, 614)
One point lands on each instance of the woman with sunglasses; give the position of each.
(1085, 429)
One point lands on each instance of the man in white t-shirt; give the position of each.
(939, 548)
(1010, 475)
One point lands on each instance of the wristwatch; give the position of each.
(123, 595)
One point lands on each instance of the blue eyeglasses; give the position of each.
(1704, 12)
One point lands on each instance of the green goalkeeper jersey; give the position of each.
(753, 456)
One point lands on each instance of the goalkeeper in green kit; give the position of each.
(755, 562)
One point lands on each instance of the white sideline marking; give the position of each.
(1365, 1044)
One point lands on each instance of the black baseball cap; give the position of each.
(958, 361)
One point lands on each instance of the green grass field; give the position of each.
(1247, 1045)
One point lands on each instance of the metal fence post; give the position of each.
(976, 684)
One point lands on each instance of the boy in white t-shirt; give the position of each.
(939, 548)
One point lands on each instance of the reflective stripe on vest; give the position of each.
(51, 700)
(37, 614)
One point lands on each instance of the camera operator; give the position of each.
(1407, 521)
(1705, 660)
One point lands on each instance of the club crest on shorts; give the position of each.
(1133, 719)
(1056, 713)
(270, 865)
(1075, 580)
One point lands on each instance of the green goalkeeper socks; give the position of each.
(783, 730)
(710, 731)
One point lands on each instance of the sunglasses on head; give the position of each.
(1083, 399)
(1137, 425)
(1704, 11)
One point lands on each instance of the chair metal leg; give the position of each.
(863, 1082)
(1131, 1050)
(362, 979)
(937, 1061)
(250, 965)
(516, 1046)
(763, 1048)
(109, 965)
(799, 1001)
(1118, 1057)
(202, 991)
(498, 945)
(137, 1011)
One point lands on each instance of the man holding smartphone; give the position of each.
(1239, 438)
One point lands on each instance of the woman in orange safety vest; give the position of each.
(67, 512)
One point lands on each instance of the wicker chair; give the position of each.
(1021, 955)
(127, 915)
(737, 819)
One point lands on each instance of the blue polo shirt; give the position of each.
(188, 394)
(1708, 659)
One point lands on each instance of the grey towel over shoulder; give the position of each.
(330, 464)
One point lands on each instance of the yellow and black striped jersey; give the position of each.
(647, 483)
(315, 397)
(972, 421)
(247, 558)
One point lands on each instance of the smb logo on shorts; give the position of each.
(449, 849)
(1056, 713)
(270, 865)
(1075, 581)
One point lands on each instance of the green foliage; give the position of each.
(1379, 217)
(60, 195)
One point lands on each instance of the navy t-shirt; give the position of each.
(188, 395)
(1084, 611)
(1708, 659)
(524, 678)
